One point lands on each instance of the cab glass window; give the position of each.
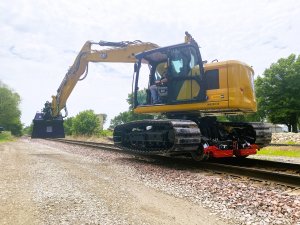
(182, 61)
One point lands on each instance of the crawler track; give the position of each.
(252, 168)
(158, 137)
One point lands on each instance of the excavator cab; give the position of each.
(181, 69)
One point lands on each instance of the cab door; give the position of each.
(183, 75)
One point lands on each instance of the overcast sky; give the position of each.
(40, 39)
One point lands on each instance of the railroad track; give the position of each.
(264, 170)
(292, 145)
(106, 146)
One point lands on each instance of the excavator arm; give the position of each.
(120, 52)
(49, 122)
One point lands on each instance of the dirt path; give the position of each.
(45, 185)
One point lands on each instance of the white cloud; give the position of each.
(40, 40)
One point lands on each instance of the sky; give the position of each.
(40, 40)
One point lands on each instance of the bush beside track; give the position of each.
(6, 136)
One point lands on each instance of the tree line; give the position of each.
(278, 93)
(10, 113)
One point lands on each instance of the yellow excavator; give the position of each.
(179, 85)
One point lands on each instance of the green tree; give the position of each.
(68, 123)
(9, 110)
(127, 116)
(86, 123)
(141, 97)
(278, 92)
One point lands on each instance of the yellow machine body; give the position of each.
(230, 91)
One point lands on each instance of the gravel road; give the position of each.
(44, 182)
(48, 184)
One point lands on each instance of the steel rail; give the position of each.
(290, 145)
(261, 163)
(105, 146)
(261, 174)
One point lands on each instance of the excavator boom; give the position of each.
(49, 123)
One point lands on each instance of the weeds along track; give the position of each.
(263, 170)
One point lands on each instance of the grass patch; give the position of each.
(6, 136)
(106, 133)
(279, 151)
(290, 142)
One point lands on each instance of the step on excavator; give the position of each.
(185, 91)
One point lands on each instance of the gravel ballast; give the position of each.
(226, 199)
(242, 201)
(286, 138)
(49, 183)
